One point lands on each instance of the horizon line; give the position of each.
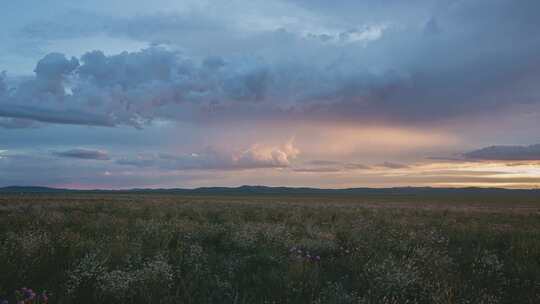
(267, 187)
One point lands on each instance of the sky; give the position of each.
(162, 94)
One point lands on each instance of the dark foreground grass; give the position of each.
(178, 249)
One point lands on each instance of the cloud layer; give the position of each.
(255, 157)
(386, 69)
(83, 154)
(516, 153)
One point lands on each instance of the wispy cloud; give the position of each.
(531, 152)
(83, 154)
(391, 165)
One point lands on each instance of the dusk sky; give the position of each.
(333, 94)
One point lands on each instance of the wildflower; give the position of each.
(28, 294)
(44, 297)
(314, 258)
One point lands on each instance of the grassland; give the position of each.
(159, 248)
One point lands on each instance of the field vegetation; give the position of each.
(158, 248)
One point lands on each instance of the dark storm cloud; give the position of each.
(128, 70)
(51, 71)
(516, 153)
(453, 59)
(130, 88)
(478, 56)
(43, 98)
(58, 116)
(83, 154)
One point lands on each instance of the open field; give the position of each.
(165, 248)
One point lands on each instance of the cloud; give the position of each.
(354, 166)
(17, 123)
(512, 153)
(3, 85)
(322, 166)
(404, 64)
(132, 88)
(271, 157)
(51, 71)
(50, 170)
(318, 170)
(43, 98)
(255, 157)
(47, 115)
(128, 70)
(391, 165)
(83, 154)
(323, 162)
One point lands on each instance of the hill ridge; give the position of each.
(260, 189)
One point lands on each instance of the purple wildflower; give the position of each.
(28, 294)
(44, 297)
(314, 258)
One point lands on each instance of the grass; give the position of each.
(125, 248)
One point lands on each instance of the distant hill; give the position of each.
(32, 189)
(264, 190)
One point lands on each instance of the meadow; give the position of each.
(166, 248)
